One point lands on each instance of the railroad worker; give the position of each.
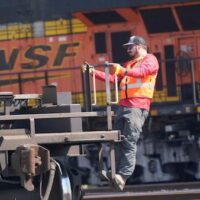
(137, 79)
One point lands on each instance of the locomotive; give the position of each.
(48, 49)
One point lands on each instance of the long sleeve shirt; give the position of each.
(148, 66)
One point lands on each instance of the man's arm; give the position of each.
(101, 76)
(148, 66)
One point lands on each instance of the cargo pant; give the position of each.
(130, 121)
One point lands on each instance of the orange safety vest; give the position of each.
(137, 87)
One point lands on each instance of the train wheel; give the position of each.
(61, 188)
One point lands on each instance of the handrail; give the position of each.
(78, 67)
(94, 88)
(116, 91)
(40, 70)
(115, 85)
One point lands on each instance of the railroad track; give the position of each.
(170, 191)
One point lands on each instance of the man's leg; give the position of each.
(133, 121)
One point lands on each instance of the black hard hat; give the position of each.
(136, 40)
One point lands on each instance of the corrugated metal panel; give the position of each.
(78, 26)
(62, 26)
(15, 31)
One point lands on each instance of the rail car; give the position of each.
(49, 51)
(41, 140)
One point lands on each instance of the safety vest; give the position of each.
(137, 87)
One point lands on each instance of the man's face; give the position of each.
(132, 50)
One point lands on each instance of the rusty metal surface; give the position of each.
(28, 161)
(174, 191)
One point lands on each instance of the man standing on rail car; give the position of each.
(136, 79)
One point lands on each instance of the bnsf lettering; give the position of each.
(62, 52)
(35, 53)
(42, 59)
(11, 61)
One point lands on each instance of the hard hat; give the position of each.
(136, 40)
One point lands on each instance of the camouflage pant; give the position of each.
(130, 122)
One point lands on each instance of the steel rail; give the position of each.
(164, 191)
(186, 194)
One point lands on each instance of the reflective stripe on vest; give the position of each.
(138, 87)
(138, 84)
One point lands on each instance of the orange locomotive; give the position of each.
(61, 44)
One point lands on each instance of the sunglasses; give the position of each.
(131, 46)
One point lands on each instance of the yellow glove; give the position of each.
(119, 70)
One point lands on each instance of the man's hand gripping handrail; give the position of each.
(91, 69)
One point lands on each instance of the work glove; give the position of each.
(84, 68)
(119, 70)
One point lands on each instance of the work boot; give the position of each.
(106, 175)
(119, 182)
